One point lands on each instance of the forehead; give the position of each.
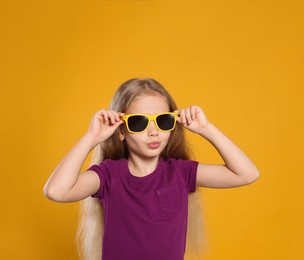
(148, 104)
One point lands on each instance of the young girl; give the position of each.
(135, 195)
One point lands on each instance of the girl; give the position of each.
(135, 195)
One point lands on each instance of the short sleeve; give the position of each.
(104, 178)
(189, 172)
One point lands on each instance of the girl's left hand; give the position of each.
(192, 118)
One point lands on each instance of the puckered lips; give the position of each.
(154, 145)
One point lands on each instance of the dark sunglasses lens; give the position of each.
(137, 123)
(165, 122)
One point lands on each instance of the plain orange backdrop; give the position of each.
(241, 61)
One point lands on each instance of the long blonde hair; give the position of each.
(90, 228)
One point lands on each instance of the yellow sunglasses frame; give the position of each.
(150, 118)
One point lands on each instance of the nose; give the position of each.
(152, 129)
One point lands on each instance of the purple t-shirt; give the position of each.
(145, 217)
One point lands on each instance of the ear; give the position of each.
(121, 134)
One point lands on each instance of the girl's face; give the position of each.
(152, 142)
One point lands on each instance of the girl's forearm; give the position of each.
(67, 172)
(234, 158)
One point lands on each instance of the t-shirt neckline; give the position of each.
(143, 178)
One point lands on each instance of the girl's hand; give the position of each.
(103, 124)
(193, 119)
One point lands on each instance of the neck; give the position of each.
(142, 166)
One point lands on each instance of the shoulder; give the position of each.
(186, 169)
(180, 164)
(114, 163)
(108, 165)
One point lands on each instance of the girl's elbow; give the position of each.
(52, 194)
(49, 193)
(46, 191)
(253, 176)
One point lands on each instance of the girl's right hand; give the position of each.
(103, 124)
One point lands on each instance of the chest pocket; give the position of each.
(170, 199)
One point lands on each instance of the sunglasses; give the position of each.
(138, 123)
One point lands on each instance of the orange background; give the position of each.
(242, 61)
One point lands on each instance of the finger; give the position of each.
(117, 115)
(193, 110)
(99, 113)
(182, 116)
(188, 116)
(102, 114)
(112, 117)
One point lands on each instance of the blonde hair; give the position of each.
(90, 228)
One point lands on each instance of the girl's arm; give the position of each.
(238, 169)
(66, 183)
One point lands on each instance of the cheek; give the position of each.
(133, 138)
(166, 135)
